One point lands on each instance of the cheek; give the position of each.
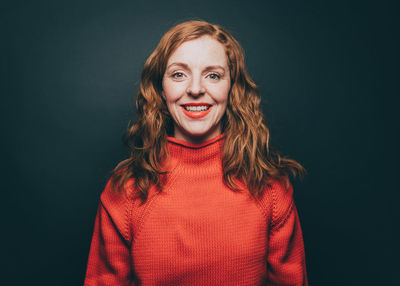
(171, 92)
(171, 95)
(220, 93)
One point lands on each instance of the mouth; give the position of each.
(196, 110)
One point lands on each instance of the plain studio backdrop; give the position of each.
(328, 75)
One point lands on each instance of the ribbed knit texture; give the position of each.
(197, 231)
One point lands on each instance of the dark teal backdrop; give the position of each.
(328, 72)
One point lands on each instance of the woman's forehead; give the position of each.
(203, 51)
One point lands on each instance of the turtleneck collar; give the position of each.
(199, 155)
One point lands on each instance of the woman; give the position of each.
(202, 200)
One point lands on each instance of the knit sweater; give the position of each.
(196, 231)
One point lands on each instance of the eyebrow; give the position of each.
(185, 66)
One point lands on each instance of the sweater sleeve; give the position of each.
(286, 257)
(109, 257)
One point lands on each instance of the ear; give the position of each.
(163, 94)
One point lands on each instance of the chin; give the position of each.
(197, 131)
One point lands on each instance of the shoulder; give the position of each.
(112, 196)
(277, 200)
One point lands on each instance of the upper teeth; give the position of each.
(196, 108)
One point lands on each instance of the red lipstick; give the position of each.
(196, 114)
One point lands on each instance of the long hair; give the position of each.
(247, 156)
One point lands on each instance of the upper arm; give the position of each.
(109, 261)
(285, 253)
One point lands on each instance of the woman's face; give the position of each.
(196, 85)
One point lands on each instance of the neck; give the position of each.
(196, 139)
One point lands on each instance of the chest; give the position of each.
(194, 230)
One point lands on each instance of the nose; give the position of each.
(195, 87)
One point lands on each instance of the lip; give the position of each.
(196, 104)
(196, 114)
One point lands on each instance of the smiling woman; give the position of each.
(202, 199)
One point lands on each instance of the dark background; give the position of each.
(328, 74)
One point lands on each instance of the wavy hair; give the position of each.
(247, 156)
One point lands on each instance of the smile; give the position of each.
(197, 110)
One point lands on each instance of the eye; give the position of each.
(214, 76)
(177, 75)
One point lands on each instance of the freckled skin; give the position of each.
(197, 72)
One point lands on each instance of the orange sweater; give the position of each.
(197, 231)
